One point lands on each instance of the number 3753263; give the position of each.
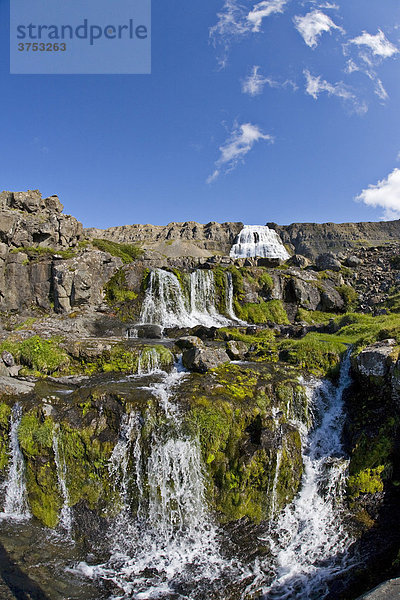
(41, 47)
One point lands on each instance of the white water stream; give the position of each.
(309, 541)
(166, 304)
(65, 519)
(15, 503)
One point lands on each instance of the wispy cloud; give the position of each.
(235, 21)
(378, 44)
(380, 90)
(264, 9)
(385, 194)
(255, 83)
(315, 86)
(239, 143)
(313, 25)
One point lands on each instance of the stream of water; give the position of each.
(166, 544)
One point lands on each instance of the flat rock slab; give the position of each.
(14, 387)
(390, 590)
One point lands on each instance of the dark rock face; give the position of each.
(311, 239)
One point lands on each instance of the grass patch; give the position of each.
(39, 356)
(262, 312)
(126, 252)
(35, 252)
(318, 353)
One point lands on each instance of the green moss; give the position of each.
(262, 312)
(229, 422)
(35, 435)
(368, 481)
(42, 356)
(127, 252)
(318, 353)
(116, 290)
(5, 412)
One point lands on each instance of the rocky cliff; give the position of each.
(311, 239)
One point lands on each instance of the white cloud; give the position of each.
(235, 21)
(380, 90)
(313, 25)
(385, 194)
(378, 44)
(316, 86)
(255, 83)
(239, 143)
(263, 9)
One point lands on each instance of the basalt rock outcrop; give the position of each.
(311, 239)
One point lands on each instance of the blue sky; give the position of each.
(264, 111)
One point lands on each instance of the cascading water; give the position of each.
(15, 503)
(148, 362)
(309, 541)
(65, 519)
(169, 543)
(258, 240)
(165, 303)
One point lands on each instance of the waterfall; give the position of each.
(15, 504)
(148, 362)
(65, 520)
(230, 311)
(170, 540)
(309, 540)
(165, 303)
(258, 240)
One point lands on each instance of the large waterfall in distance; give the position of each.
(258, 240)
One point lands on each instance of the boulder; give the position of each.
(201, 360)
(7, 358)
(236, 349)
(389, 590)
(376, 360)
(149, 331)
(189, 341)
(331, 300)
(328, 262)
(4, 372)
(305, 294)
(353, 261)
(15, 387)
(298, 260)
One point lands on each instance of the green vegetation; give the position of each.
(349, 296)
(262, 312)
(35, 252)
(116, 289)
(39, 356)
(320, 354)
(127, 252)
(314, 317)
(229, 420)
